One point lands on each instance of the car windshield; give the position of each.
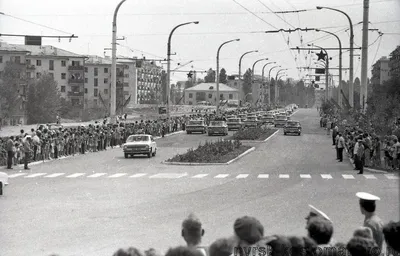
(281, 117)
(292, 124)
(217, 123)
(268, 116)
(251, 118)
(233, 120)
(137, 138)
(195, 122)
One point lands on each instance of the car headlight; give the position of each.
(125, 147)
(147, 147)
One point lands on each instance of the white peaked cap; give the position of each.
(367, 196)
(319, 212)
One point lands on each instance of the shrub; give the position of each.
(209, 151)
(259, 133)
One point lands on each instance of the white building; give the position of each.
(208, 92)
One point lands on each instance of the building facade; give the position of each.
(394, 62)
(380, 71)
(148, 82)
(207, 92)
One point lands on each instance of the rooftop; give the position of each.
(37, 50)
(97, 60)
(207, 86)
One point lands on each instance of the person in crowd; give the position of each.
(340, 146)
(314, 212)
(321, 231)
(183, 251)
(222, 247)
(372, 221)
(192, 232)
(10, 152)
(335, 131)
(279, 246)
(131, 251)
(27, 150)
(367, 149)
(359, 156)
(310, 246)
(360, 246)
(391, 232)
(364, 232)
(152, 252)
(396, 154)
(248, 231)
(297, 245)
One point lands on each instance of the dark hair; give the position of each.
(221, 247)
(368, 205)
(183, 251)
(131, 251)
(358, 246)
(320, 230)
(281, 246)
(310, 246)
(12, 137)
(298, 245)
(392, 235)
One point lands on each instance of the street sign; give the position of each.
(33, 40)
(319, 71)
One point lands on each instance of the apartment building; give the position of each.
(148, 82)
(380, 71)
(394, 62)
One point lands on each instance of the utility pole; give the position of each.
(364, 59)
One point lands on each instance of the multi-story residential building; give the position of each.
(148, 82)
(394, 62)
(380, 71)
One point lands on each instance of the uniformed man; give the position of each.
(315, 213)
(372, 221)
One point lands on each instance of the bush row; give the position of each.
(259, 133)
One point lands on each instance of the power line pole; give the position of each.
(364, 58)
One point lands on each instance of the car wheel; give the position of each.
(1, 188)
(284, 133)
(126, 155)
(299, 133)
(187, 132)
(155, 152)
(150, 153)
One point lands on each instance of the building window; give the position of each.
(105, 70)
(96, 91)
(38, 63)
(62, 88)
(76, 63)
(105, 91)
(86, 90)
(1, 59)
(86, 69)
(86, 80)
(230, 96)
(126, 75)
(126, 84)
(106, 80)
(51, 75)
(209, 95)
(96, 82)
(16, 59)
(96, 71)
(95, 102)
(63, 63)
(190, 95)
(63, 76)
(38, 75)
(51, 64)
(27, 75)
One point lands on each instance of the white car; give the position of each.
(3, 181)
(140, 144)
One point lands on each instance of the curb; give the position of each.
(205, 164)
(365, 168)
(271, 135)
(65, 157)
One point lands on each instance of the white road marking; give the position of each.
(199, 176)
(168, 175)
(263, 176)
(35, 175)
(369, 177)
(117, 175)
(75, 175)
(326, 176)
(242, 176)
(54, 175)
(392, 177)
(305, 176)
(348, 176)
(96, 175)
(16, 175)
(283, 176)
(221, 176)
(138, 175)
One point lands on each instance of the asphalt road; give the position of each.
(94, 204)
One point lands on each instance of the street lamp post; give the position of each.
(276, 85)
(240, 62)
(351, 78)
(217, 71)
(326, 71)
(262, 76)
(340, 64)
(252, 73)
(269, 81)
(113, 103)
(169, 62)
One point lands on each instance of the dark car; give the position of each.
(217, 127)
(234, 123)
(196, 126)
(251, 121)
(280, 120)
(292, 127)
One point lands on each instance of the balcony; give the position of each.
(75, 94)
(30, 67)
(76, 81)
(120, 74)
(75, 68)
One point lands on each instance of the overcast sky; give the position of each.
(146, 24)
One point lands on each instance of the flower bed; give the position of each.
(221, 151)
(259, 133)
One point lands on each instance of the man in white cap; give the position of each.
(314, 212)
(372, 221)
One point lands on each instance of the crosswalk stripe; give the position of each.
(117, 175)
(16, 175)
(348, 176)
(326, 176)
(221, 176)
(96, 175)
(305, 176)
(138, 175)
(283, 176)
(263, 176)
(75, 175)
(168, 175)
(369, 177)
(242, 176)
(199, 176)
(54, 175)
(35, 175)
(392, 177)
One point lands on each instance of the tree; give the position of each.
(247, 82)
(199, 81)
(223, 78)
(44, 100)
(210, 77)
